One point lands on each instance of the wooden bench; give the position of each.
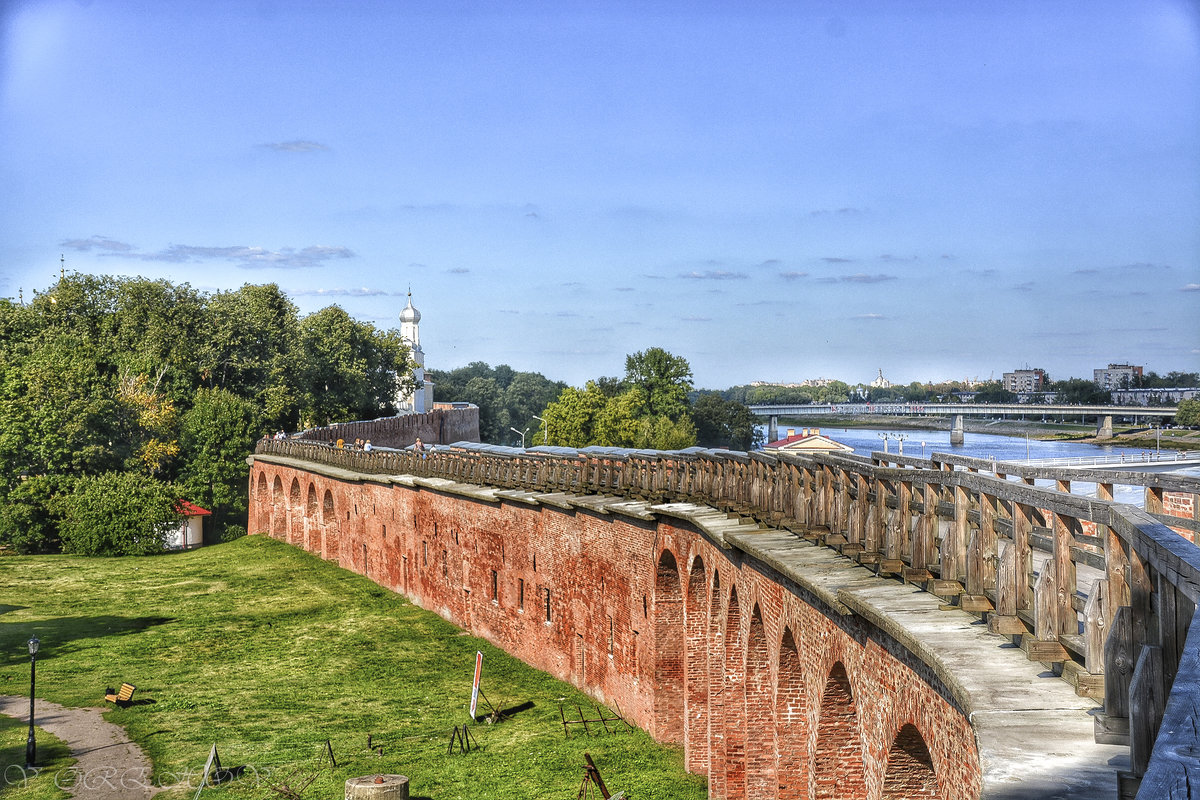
(123, 697)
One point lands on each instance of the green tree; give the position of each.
(117, 514)
(59, 411)
(994, 392)
(248, 351)
(30, 514)
(526, 396)
(666, 379)
(623, 421)
(648, 409)
(100, 374)
(664, 433)
(1077, 391)
(483, 392)
(216, 435)
(571, 419)
(517, 398)
(1188, 414)
(346, 369)
(725, 423)
(157, 330)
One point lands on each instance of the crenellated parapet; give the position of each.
(675, 581)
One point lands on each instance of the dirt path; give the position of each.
(108, 766)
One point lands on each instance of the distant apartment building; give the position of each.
(1154, 397)
(1117, 376)
(1025, 380)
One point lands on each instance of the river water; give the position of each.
(990, 446)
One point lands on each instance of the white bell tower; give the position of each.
(420, 399)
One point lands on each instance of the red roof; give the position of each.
(812, 438)
(190, 509)
(789, 440)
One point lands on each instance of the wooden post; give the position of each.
(1172, 626)
(1154, 500)
(1095, 628)
(954, 546)
(876, 519)
(1045, 646)
(1112, 727)
(1144, 629)
(1116, 571)
(1147, 700)
(904, 519)
(981, 558)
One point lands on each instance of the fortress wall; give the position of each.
(771, 692)
(439, 426)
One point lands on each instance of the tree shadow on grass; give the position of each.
(58, 635)
(12, 751)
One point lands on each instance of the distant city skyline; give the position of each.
(774, 191)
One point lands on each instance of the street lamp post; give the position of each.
(885, 438)
(31, 743)
(900, 437)
(522, 433)
(545, 429)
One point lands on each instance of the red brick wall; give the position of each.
(771, 696)
(439, 426)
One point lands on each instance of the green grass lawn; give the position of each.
(53, 759)
(268, 651)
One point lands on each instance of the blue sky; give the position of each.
(775, 191)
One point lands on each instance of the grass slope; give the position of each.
(268, 651)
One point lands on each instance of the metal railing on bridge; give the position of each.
(975, 532)
(1166, 457)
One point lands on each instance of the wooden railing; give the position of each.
(1104, 593)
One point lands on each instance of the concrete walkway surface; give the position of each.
(108, 766)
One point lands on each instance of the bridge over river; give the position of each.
(1104, 415)
(805, 626)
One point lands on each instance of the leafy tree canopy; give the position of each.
(725, 423)
(117, 514)
(507, 398)
(1188, 413)
(100, 374)
(648, 409)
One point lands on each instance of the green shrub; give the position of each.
(1188, 413)
(232, 532)
(30, 515)
(117, 513)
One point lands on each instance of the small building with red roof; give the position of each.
(809, 440)
(189, 533)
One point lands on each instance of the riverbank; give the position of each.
(1140, 437)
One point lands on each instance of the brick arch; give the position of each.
(696, 699)
(761, 780)
(668, 651)
(261, 500)
(716, 691)
(838, 760)
(791, 720)
(735, 702)
(910, 773)
(278, 510)
(295, 514)
(329, 526)
(312, 522)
